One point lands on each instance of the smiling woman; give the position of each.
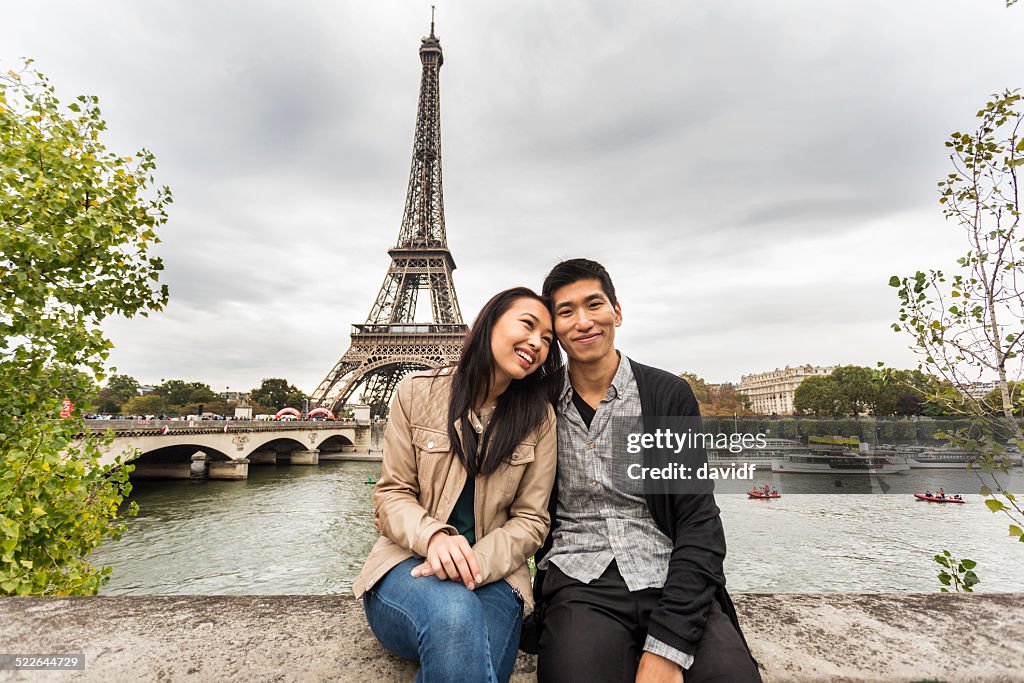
(473, 445)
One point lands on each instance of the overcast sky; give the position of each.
(751, 173)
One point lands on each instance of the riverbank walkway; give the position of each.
(797, 638)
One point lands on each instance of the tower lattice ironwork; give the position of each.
(390, 344)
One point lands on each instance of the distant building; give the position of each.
(234, 395)
(771, 393)
(981, 389)
(145, 390)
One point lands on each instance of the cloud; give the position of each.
(750, 173)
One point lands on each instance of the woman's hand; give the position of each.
(450, 557)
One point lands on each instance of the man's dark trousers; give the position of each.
(595, 633)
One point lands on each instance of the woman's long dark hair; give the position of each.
(524, 405)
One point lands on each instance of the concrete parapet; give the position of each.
(311, 457)
(796, 637)
(228, 469)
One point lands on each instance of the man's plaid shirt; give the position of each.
(597, 521)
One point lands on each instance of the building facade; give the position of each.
(771, 393)
(980, 390)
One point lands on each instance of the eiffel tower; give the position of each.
(390, 344)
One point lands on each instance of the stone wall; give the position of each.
(796, 637)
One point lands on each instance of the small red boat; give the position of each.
(937, 499)
(761, 494)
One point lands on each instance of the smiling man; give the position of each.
(631, 586)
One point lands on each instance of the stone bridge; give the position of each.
(225, 449)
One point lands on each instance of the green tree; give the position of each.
(276, 393)
(855, 389)
(725, 400)
(123, 388)
(699, 387)
(902, 392)
(76, 224)
(181, 393)
(970, 324)
(818, 395)
(150, 404)
(105, 402)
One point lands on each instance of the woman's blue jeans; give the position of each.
(456, 634)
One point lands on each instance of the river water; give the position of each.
(306, 530)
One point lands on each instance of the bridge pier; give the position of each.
(311, 457)
(363, 440)
(263, 458)
(228, 469)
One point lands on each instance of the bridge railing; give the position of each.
(137, 425)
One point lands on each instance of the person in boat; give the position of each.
(775, 491)
(928, 493)
(942, 493)
(462, 499)
(631, 587)
(957, 497)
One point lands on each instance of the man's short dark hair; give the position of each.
(574, 270)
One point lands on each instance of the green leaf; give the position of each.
(894, 281)
(1016, 530)
(968, 564)
(995, 505)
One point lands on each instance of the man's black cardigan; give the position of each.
(692, 521)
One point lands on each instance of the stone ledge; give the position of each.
(796, 637)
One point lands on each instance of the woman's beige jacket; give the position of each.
(421, 480)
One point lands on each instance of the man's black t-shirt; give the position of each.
(584, 409)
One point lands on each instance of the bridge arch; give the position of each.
(175, 461)
(335, 443)
(276, 447)
(176, 453)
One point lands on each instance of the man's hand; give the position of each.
(450, 557)
(657, 669)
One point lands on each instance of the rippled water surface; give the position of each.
(306, 530)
